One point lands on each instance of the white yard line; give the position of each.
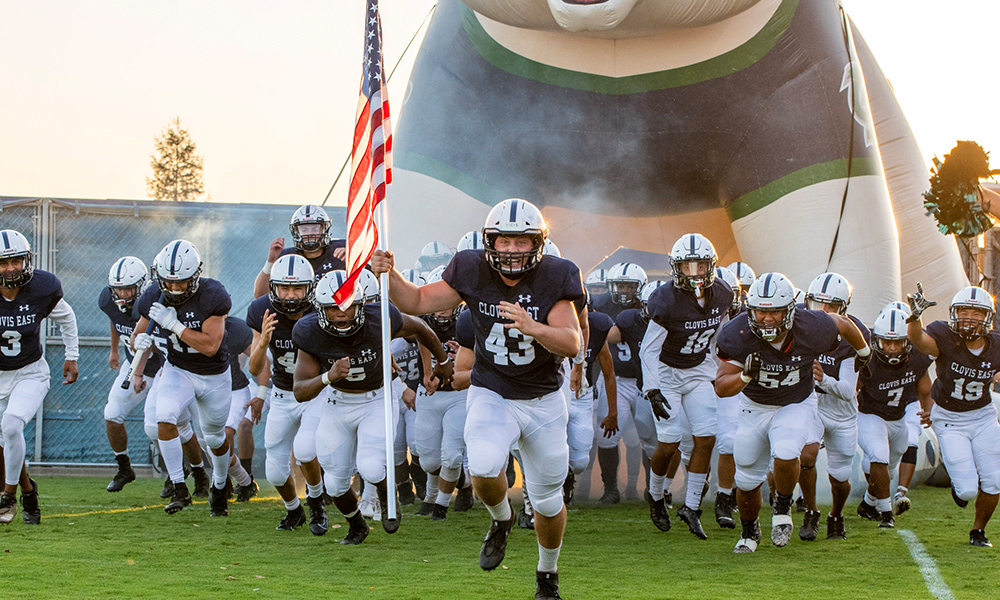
(928, 568)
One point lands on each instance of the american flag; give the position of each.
(371, 157)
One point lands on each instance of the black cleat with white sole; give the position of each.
(977, 537)
(547, 586)
(724, 511)
(8, 507)
(124, 476)
(867, 511)
(495, 544)
(749, 538)
(293, 519)
(30, 511)
(319, 524)
(180, 498)
(218, 502)
(886, 521)
(693, 520)
(781, 529)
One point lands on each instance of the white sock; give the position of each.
(667, 483)
(291, 504)
(656, 485)
(883, 504)
(902, 490)
(468, 478)
(695, 483)
(548, 559)
(431, 493)
(869, 499)
(443, 498)
(200, 465)
(370, 493)
(726, 491)
(122, 453)
(314, 491)
(220, 468)
(173, 458)
(500, 512)
(238, 473)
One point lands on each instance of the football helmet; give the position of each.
(178, 261)
(550, 249)
(434, 255)
(897, 305)
(514, 217)
(771, 292)
(447, 320)
(693, 261)
(325, 290)
(971, 297)
(730, 278)
(314, 238)
(291, 269)
(890, 325)
(647, 291)
(744, 273)
(471, 241)
(370, 287)
(625, 281)
(16, 245)
(596, 283)
(413, 276)
(829, 288)
(127, 272)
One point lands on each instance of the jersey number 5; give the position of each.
(496, 343)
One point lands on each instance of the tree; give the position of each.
(177, 170)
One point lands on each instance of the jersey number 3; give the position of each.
(496, 343)
(11, 343)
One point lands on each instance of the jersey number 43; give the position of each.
(522, 353)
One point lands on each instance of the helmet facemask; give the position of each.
(310, 236)
(513, 265)
(178, 298)
(290, 306)
(815, 303)
(771, 332)
(970, 328)
(354, 323)
(18, 278)
(694, 276)
(125, 304)
(890, 357)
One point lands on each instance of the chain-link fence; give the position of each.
(79, 240)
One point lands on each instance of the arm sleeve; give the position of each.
(64, 316)
(649, 354)
(844, 387)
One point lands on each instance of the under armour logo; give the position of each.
(189, 315)
(796, 358)
(986, 365)
(24, 308)
(367, 352)
(524, 299)
(715, 311)
(327, 266)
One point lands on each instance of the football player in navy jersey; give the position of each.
(126, 281)
(767, 356)
(727, 411)
(521, 306)
(678, 370)
(28, 297)
(310, 229)
(836, 424)
(894, 379)
(239, 337)
(963, 415)
(340, 349)
(407, 357)
(193, 309)
(908, 464)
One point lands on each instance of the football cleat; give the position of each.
(693, 519)
(724, 511)
(569, 486)
(611, 496)
(390, 525)
(201, 482)
(229, 489)
(835, 528)
(510, 473)
(293, 519)
(961, 503)
(867, 511)
(8, 507)
(800, 504)
(218, 502)
(124, 476)
(168, 489)
(319, 524)
(749, 539)
(547, 586)
(810, 526)
(463, 499)
(977, 537)
(426, 508)
(901, 503)
(358, 530)
(178, 499)
(30, 511)
(525, 520)
(406, 493)
(245, 492)
(658, 513)
(781, 530)
(495, 544)
(367, 507)
(668, 500)
(439, 513)
(886, 521)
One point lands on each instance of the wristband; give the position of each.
(263, 391)
(445, 361)
(178, 329)
(267, 268)
(864, 352)
(326, 378)
(745, 379)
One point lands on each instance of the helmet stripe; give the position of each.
(692, 243)
(291, 267)
(767, 286)
(173, 258)
(973, 294)
(892, 320)
(513, 211)
(6, 242)
(826, 283)
(121, 265)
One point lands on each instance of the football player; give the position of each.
(963, 414)
(239, 338)
(406, 356)
(596, 284)
(522, 311)
(193, 309)
(434, 255)
(678, 370)
(340, 349)
(727, 414)
(310, 229)
(767, 356)
(908, 463)
(29, 296)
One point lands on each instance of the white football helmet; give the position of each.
(434, 255)
(370, 287)
(440, 318)
(730, 278)
(971, 297)
(897, 305)
(16, 245)
(324, 299)
(800, 296)
(625, 281)
(890, 325)
(127, 272)
(550, 249)
(314, 238)
(693, 261)
(291, 270)
(771, 292)
(596, 283)
(178, 261)
(471, 241)
(647, 291)
(744, 273)
(829, 288)
(413, 276)
(514, 217)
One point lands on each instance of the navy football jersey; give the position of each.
(21, 320)
(600, 325)
(406, 353)
(465, 335)
(690, 327)
(606, 305)
(963, 378)
(325, 262)
(507, 361)
(625, 354)
(124, 323)
(831, 361)
(364, 347)
(885, 390)
(281, 346)
(445, 333)
(211, 300)
(786, 374)
(239, 336)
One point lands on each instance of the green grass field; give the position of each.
(92, 544)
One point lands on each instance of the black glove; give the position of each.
(659, 404)
(861, 362)
(918, 303)
(751, 366)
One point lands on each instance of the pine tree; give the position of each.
(177, 170)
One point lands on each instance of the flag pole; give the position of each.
(390, 434)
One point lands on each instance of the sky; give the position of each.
(268, 90)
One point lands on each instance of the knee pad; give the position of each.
(184, 430)
(966, 489)
(11, 426)
(277, 469)
(839, 467)
(429, 462)
(336, 486)
(786, 450)
(450, 473)
(579, 464)
(546, 500)
(304, 447)
(485, 460)
(724, 442)
(215, 437)
(114, 412)
(748, 482)
(152, 431)
(910, 456)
